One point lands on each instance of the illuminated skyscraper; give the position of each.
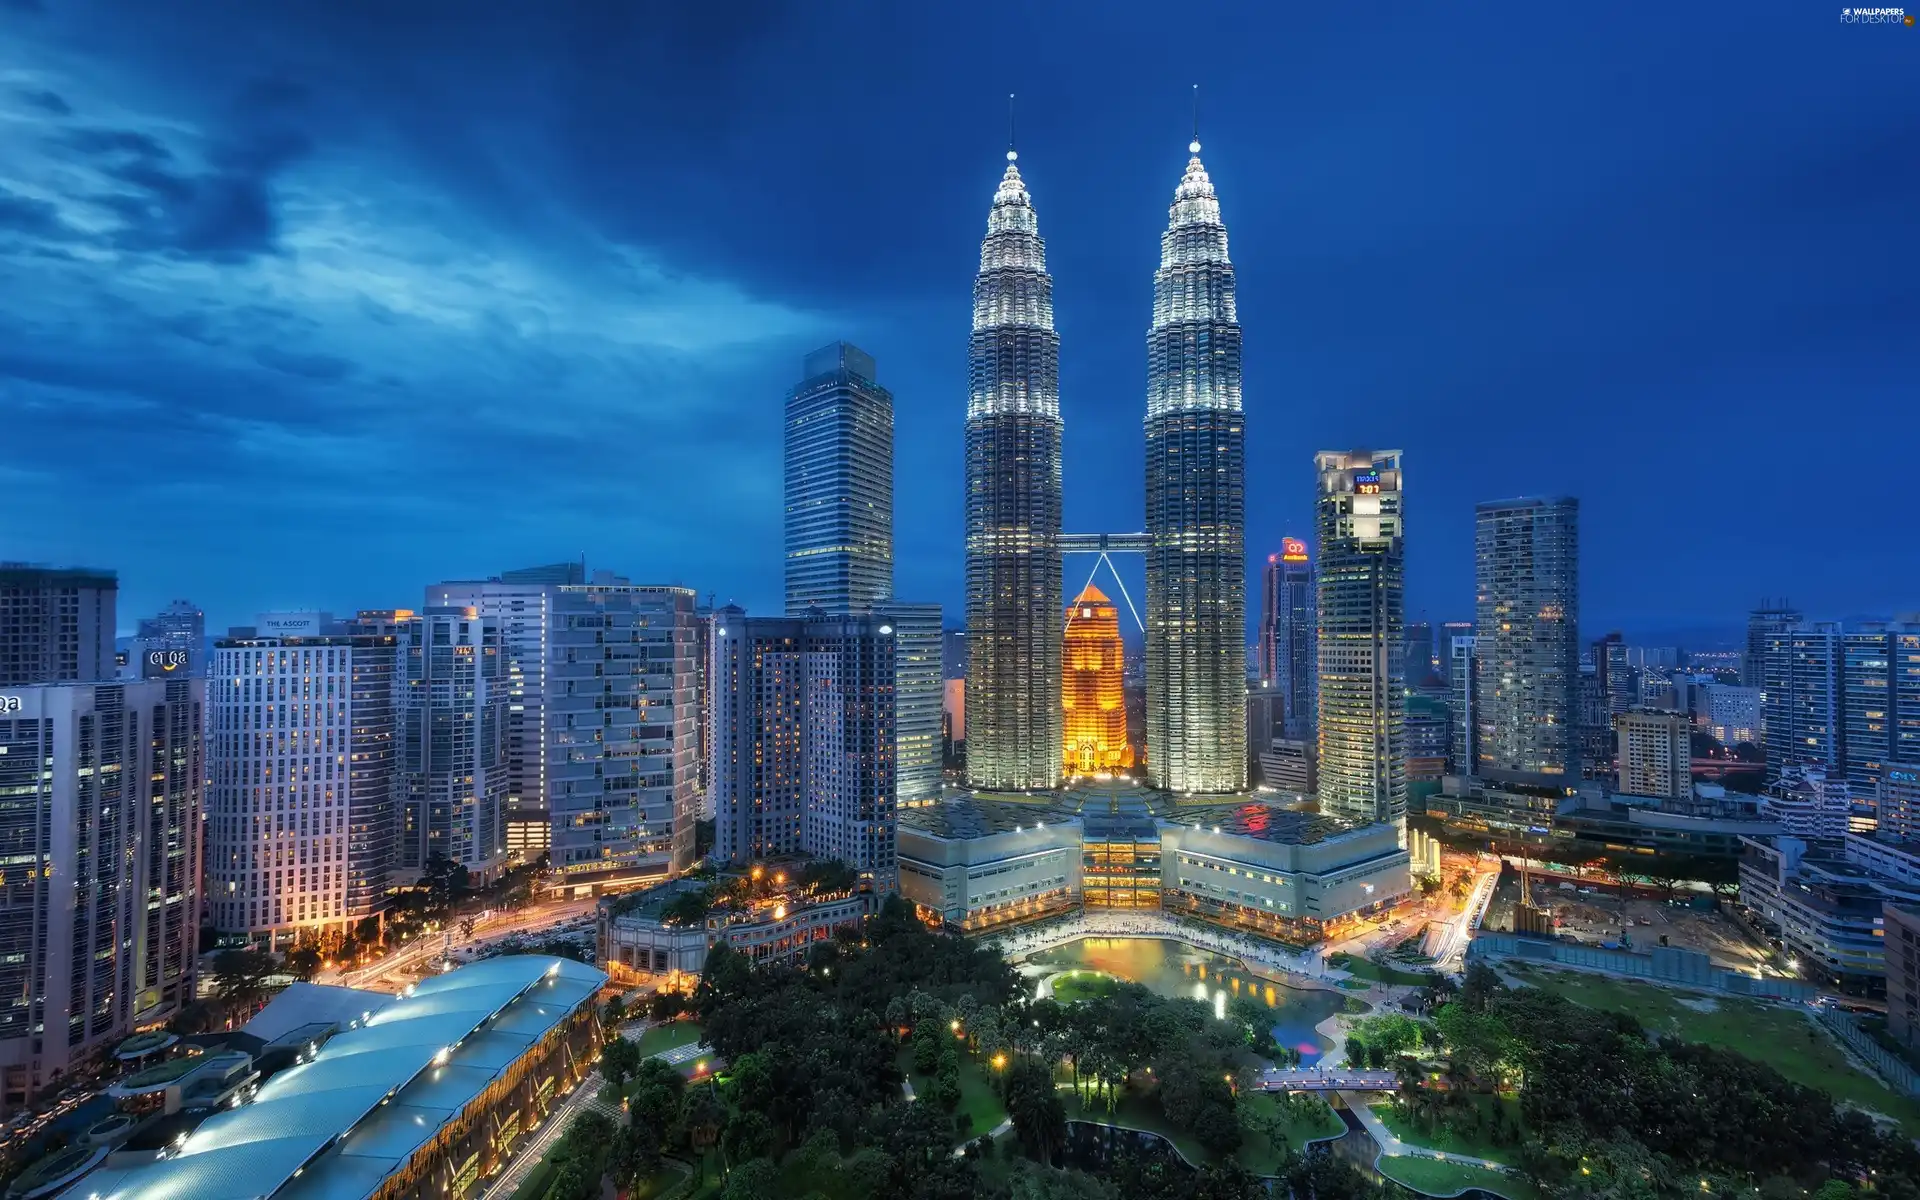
(1527, 577)
(1091, 693)
(1013, 505)
(839, 484)
(1362, 594)
(1286, 633)
(1196, 505)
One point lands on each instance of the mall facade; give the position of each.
(989, 860)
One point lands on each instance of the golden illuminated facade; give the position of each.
(1095, 716)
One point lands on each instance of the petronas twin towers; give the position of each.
(1195, 540)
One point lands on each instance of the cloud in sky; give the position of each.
(232, 340)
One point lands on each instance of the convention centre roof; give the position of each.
(334, 1127)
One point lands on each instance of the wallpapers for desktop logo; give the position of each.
(1875, 16)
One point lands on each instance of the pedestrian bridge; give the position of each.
(1328, 1079)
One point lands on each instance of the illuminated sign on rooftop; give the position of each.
(1293, 550)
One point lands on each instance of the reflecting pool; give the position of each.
(1173, 968)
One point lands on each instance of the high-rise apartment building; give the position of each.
(1619, 682)
(1361, 588)
(1013, 505)
(1733, 713)
(1463, 676)
(100, 896)
(622, 728)
(1802, 694)
(453, 698)
(919, 693)
(703, 700)
(173, 642)
(304, 783)
(1770, 618)
(803, 738)
(1527, 614)
(839, 484)
(56, 624)
(850, 742)
(1880, 684)
(1092, 694)
(522, 602)
(1196, 504)
(1656, 753)
(1285, 649)
(1898, 802)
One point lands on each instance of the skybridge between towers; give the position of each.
(1104, 544)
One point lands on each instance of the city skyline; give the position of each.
(294, 268)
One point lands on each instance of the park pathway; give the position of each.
(1393, 1146)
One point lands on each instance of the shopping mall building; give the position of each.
(984, 860)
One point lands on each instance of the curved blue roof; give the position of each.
(335, 1127)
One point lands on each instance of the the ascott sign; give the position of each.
(9, 704)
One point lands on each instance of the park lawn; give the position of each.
(1437, 1178)
(1083, 985)
(671, 1036)
(979, 1098)
(1445, 1139)
(1361, 968)
(1783, 1037)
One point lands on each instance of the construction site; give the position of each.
(1599, 914)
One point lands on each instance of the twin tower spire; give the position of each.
(1195, 510)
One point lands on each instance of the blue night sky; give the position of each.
(306, 304)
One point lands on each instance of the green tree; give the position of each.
(619, 1058)
(748, 1135)
(755, 1179)
(303, 962)
(240, 976)
(1039, 1119)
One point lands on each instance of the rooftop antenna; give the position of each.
(1194, 146)
(1012, 154)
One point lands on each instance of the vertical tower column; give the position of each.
(1196, 505)
(1013, 718)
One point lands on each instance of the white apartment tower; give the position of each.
(304, 783)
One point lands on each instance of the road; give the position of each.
(1453, 952)
(431, 947)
